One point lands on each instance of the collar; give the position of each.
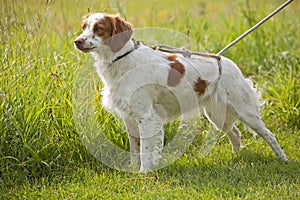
(136, 45)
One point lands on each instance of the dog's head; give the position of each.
(100, 29)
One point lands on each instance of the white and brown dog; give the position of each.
(142, 86)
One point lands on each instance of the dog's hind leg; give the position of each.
(244, 101)
(245, 105)
(234, 136)
(226, 123)
(253, 121)
(222, 116)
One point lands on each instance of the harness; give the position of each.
(187, 53)
(170, 49)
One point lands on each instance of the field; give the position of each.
(41, 153)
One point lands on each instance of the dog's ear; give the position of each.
(84, 17)
(121, 33)
(84, 20)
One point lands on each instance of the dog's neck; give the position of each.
(106, 60)
(107, 56)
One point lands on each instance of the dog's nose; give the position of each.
(79, 41)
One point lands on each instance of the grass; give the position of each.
(41, 154)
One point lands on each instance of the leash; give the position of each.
(186, 53)
(254, 27)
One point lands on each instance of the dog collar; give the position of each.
(136, 45)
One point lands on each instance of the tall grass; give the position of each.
(36, 81)
(39, 143)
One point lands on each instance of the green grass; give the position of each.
(41, 154)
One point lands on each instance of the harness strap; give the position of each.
(186, 53)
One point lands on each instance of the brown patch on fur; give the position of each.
(118, 31)
(103, 29)
(176, 72)
(200, 86)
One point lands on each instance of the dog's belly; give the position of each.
(168, 107)
(176, 102)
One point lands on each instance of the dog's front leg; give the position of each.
(152, 140)
(134, 141)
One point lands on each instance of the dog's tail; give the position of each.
(256, 94)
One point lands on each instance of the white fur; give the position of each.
(136, 89)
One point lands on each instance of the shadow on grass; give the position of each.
(244, 170)
(228, 175)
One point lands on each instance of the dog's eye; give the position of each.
(98, 28)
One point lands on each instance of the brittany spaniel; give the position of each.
(147, 88)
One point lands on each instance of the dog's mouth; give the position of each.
(85, 50)
(80, 45)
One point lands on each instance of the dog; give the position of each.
(147, 88)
